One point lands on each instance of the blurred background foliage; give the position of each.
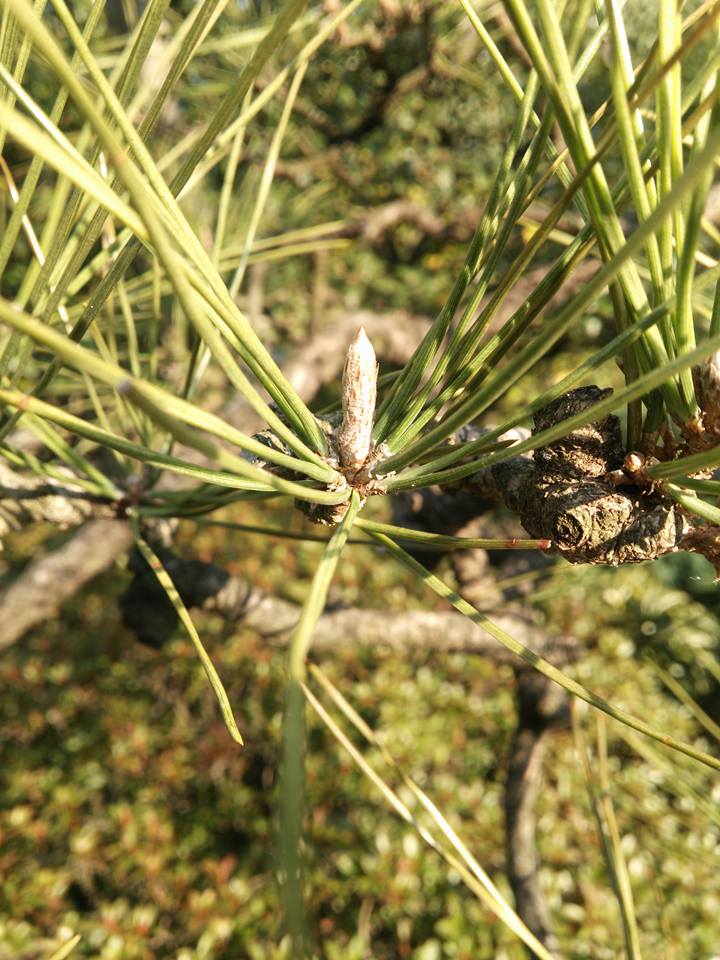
(127, 814)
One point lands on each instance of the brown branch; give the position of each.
(205, 586)
(580, 493)
(376, 223)
(47, 582)
(542, 706)
(26, 499)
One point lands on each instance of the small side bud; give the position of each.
(707, 379)
(359, 390)
(634, 462)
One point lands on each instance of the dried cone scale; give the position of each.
(359, 390)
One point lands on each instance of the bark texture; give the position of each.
(542, 707)
(148, 612)
(26, 499)
(568, 492)
(47, 582)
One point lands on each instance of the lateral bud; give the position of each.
(707, 383)
(359, 391)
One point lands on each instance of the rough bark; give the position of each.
(569, 492)
(47, 582)
(204, 586)
(542, 707)
(26, 499)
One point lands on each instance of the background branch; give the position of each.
(36, 595)
(542, 706)
(205, 586)
(26, 499)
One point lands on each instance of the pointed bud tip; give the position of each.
(359, 387)
(361, 349)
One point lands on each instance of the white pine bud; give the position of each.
(359, 389)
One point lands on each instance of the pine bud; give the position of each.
(708, 380)
(359, 388)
